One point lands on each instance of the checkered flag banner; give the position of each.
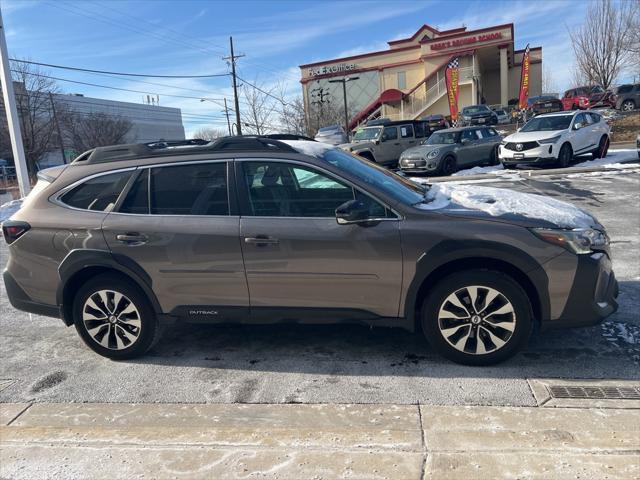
(452, 82)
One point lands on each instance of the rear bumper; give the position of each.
(593, 294)
(22, 301)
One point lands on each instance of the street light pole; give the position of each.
(344, 81)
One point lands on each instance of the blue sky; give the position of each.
(191, 37)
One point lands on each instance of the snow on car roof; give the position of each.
(314, 149)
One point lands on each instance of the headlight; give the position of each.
(550, 140)
(433, 153)
(579, 240)
(464, 117)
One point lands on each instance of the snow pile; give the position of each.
(499, 201)
(9, 208)
(494, 169)
(314, 149)
(612, 159)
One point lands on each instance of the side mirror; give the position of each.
(577, 126)
(464, 141)
(384, 137)
(353, 211)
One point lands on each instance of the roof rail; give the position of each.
(163, 148)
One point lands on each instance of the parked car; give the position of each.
(600, 98)
(627, 97)
(581, 98)
(478, 115)
(128, 238)
(501, 114)
(447, 150)
(436, 122)
(384, 142)
(546, 104)
(333, 135)
(555, 138)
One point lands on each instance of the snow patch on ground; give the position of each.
(613, 157)
(498, 201)
(494, 169)
(9, 208)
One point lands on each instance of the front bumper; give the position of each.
(545, 153)
(419, 165)
(593, 294)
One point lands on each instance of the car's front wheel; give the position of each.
(449, 166)
(628, 106)
(113, 317)
(477, 317)
(565, 156)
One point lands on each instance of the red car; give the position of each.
(581, 97)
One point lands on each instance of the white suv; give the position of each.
(555, 138)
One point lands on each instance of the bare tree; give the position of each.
(260, 108)
(33, 90)
(604, 44)
(293, 117)
(85, 131)
(208, 133)
(548, 82)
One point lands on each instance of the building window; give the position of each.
(402, 80)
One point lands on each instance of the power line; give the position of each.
(281, 100)
(78, 69)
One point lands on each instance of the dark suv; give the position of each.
(247, 229)
(627, 97)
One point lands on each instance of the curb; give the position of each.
(528, 173)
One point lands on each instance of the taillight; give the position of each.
(14, 230)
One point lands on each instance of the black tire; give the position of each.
(565, 156)
(143, 324)
(510, 292)
(448, 166)
(493, 158)
(602, 150)
(628, 106)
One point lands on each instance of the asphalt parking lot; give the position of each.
(41, 360)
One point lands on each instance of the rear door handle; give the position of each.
(132, 238)
(261, 240)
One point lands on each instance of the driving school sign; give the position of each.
(328, 69)
(464, 41)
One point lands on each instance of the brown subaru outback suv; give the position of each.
(129, 238)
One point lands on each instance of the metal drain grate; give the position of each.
(608, 393)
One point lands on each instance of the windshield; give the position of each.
(370, 133)
(548, 124)
(442, 138)
(476, 109)
(394, 185)
(328, 130)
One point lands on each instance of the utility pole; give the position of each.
(235, 85)
(226, 112)
(22, 173)
(55, 119)
(344, 94)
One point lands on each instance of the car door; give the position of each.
(177, 223)
(300, 263)
(390, 147)
(467, 149)
(407, 138)
(581, 136)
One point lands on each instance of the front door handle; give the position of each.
(261, 240)
(132, 238)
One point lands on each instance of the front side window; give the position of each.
(390, 133)
(195, 189)
(98, 194)
(279, 189)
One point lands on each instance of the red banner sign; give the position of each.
(451, 75)
(524, 80)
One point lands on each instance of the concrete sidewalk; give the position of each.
(232, 441)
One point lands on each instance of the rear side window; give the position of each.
(419, 130)
(179, 190)
(199, 189)
(99, 193)
(625, 88)
(406, 131)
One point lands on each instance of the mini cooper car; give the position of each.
(130, 238)
(555, 138)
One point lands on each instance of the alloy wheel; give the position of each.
(111, 319)
(627, 106)
(477, 320)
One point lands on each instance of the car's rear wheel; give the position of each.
(477, 317)
(603, 148)
(113, 317)
(448, 166)
(565, 156)
(628, 106)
